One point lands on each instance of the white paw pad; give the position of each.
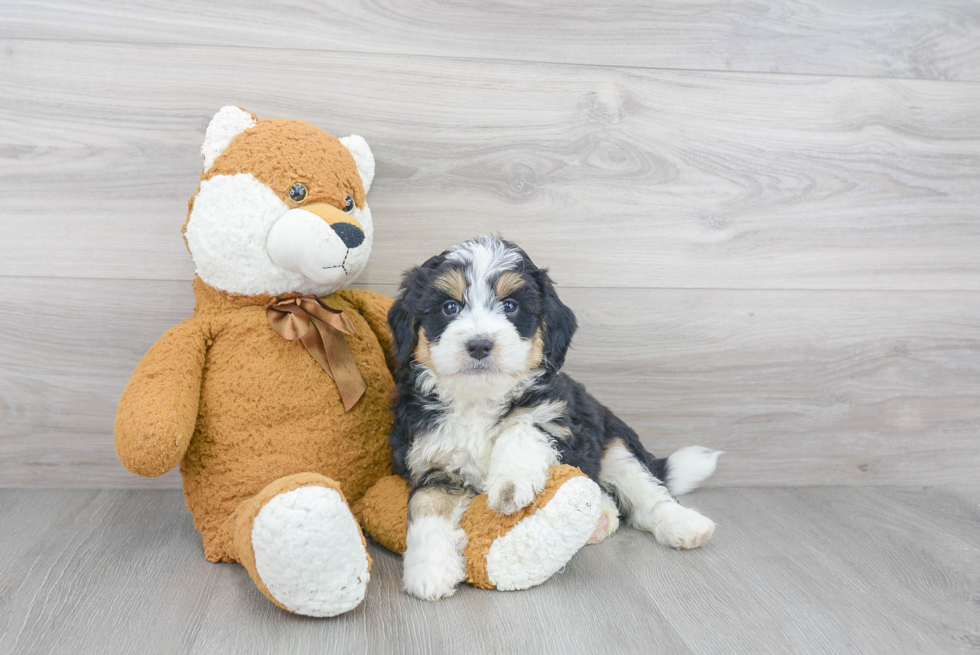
(433, 560)
(544, 542)
(309, 553)
(681, 527)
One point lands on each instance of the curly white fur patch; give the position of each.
(363, 158)
(688, 467)
(309, 553)
(228, 234)
(225, 125)
(544, 542)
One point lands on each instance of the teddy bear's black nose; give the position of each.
(351, 235)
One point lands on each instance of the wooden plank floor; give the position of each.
(816, 570)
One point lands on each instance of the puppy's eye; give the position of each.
(297, 192)
(450, 308)
(510, 306)
(349, 204)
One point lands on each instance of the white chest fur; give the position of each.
(461, 444)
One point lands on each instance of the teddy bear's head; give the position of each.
(281, 207)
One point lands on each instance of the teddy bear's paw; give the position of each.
(541, 544)
(681, 527)
(433, 561)
(309, 552)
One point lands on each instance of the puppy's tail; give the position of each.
(686, 469)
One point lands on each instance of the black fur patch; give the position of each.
(592, 426)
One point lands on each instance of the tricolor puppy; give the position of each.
(483, 407)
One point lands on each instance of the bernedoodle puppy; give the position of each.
(483, 407)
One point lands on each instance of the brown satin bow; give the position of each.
(321, 329)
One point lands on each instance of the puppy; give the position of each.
(480, 338)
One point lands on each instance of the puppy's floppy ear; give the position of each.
(402, 315)
(559, 322)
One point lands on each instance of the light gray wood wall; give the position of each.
(767, 217)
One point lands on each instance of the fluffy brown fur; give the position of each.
(267, 409)
(249, 415)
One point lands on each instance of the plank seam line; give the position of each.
(559, 284)
(712, 71)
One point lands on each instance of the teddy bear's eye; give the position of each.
(348, 204)
(297, 192)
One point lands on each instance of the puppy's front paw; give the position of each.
(431, 583)
(433, 561)
(509, 496)
(682, 527)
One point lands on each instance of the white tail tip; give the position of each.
(689, 467)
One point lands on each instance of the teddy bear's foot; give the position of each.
(512, 551)
(546, 535)
(301, 545)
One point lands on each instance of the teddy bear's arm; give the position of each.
(159, 406)
(374, 308)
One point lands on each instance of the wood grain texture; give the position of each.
(798, 387)
(612, 176)
(828, 570)
(890, 38)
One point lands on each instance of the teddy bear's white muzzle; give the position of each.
(304, 243)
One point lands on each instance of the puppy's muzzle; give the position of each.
(479, 348)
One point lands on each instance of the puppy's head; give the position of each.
(480, 316)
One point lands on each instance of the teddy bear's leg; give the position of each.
(504, 552)
(526, 548)
(302, 547)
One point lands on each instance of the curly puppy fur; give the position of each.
(480, 336)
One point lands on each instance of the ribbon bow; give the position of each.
(321, 329)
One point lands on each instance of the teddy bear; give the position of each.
(275, 396)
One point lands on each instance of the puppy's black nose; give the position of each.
(479, 348)
(351, 235)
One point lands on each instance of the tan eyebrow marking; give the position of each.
(452, 282)
(508, 283)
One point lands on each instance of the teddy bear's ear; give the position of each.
(363, 157)
(228, 123)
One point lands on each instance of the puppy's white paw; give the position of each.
(608, 520)
(509, 496)
(681, 527)
(433, 561)
(433, 581)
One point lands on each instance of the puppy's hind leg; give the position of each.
(648, 503)
(433, 562)
(608, 519)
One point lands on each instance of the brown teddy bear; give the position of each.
(274, 397)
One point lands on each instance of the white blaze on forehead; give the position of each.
(483, 258)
